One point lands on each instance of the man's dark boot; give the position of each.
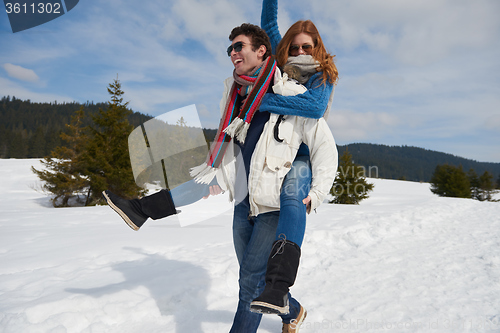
(136, 211)
(282, 267)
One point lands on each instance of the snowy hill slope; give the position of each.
(404, 260)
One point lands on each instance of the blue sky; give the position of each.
(420, 73)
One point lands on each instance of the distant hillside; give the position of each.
(32, 130)
(410, 163)
(403, 162)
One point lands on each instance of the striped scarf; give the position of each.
(235, 123)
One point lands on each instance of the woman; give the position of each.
(302, 48)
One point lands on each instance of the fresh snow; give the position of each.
(403, 260)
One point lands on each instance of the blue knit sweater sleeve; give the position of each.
(311, 104)
(269, 22)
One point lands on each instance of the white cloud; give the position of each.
(493, 123)
(412, 32)
(10, 88)
(21, 73)
(209, 23)
(350, 126)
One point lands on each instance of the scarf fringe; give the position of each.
(238, 129)
(203, 173)
(234, 128)
(260, 79)
(242, 133)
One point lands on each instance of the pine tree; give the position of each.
(450, 181)
(37, 144)
(95, 157)
(474, 183)
(63, 175)
(350, 186)
(486, 187)
(107, 158)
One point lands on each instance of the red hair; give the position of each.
(319, 53)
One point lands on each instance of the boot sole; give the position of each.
(120, 212)
(267, 308)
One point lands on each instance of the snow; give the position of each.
(403, 260)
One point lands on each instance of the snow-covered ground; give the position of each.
(404, 260)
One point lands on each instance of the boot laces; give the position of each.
(281, 241)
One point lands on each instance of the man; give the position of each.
(253, 236)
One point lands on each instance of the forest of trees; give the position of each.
(453, 181)
(33, 130)
(409, 163)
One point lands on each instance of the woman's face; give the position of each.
(301, 44)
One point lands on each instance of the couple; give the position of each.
(269, 130)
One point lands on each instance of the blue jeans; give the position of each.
(190, 192)
(253, 239)
(296, 186)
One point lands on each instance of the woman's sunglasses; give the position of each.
(306, 47)
(236, 47)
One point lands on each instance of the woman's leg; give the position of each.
(296, 186)
(283, 261)
(159, 205)
(189, 192)
(136, 211)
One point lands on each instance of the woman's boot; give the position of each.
(136, 211)
(282, 267)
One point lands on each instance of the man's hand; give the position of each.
(215, 190)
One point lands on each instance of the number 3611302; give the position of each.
(40, 8)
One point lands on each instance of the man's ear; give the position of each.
(262, 51)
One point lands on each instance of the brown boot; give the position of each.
(296, 323)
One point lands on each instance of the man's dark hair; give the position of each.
(256, 34)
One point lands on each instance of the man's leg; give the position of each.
(253, 238)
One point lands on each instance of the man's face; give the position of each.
(246, 60)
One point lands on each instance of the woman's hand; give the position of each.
(215, 190)
(307, 202)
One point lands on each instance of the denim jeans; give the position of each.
(296, 186)
(189, 192)
(253, 238)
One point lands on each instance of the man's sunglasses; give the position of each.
(295, 48)
(236, 47)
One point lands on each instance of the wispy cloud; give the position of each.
(11, 88)
(21, 73)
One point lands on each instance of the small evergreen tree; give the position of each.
(107, 158)
(450, 181)
(95, 158)
(350, 186)
(63, 175)
(474, 183)
(486, 187)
